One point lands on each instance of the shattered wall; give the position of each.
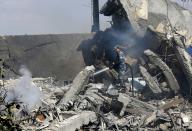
(179, 17)
(45, 55)
(159, 14)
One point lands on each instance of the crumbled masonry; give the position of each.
(158, 89)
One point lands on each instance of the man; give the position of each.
(121, 66)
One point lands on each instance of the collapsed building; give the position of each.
(155, 36)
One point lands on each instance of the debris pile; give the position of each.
(84, 105)
(158, 88)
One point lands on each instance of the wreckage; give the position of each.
(155, 36)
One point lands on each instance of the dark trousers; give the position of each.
(121, 78)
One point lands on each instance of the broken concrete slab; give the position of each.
(173, 103)
(76, 121)
(156, 60)
(140, 105)
(184, 59)
(128, 7)
(185, 118)
(78, 84)
(125, 100)
(150, 81)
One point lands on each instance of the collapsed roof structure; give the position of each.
(159, 14)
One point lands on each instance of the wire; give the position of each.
(168, 16)
(173, 29)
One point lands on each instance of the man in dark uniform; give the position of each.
(121, 66)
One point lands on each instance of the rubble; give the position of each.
(150, 81)
(94, 100)
(171, 80)
(184, 59)
(125, 100)
(78, 83)
(76, 121)
(91, 109)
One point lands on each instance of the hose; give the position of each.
(132, 81)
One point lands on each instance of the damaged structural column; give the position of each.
(128, 7)
(184, 59)
(78, 83)
(171, 80)
(153, 85)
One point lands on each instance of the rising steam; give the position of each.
(25, 92)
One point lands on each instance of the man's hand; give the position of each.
(111, 66)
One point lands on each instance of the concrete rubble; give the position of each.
(92, 109)
(94, 101)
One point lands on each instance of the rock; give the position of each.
(185, 118)
(163, 127)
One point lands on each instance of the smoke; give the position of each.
(133, 44)
(26, 93)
